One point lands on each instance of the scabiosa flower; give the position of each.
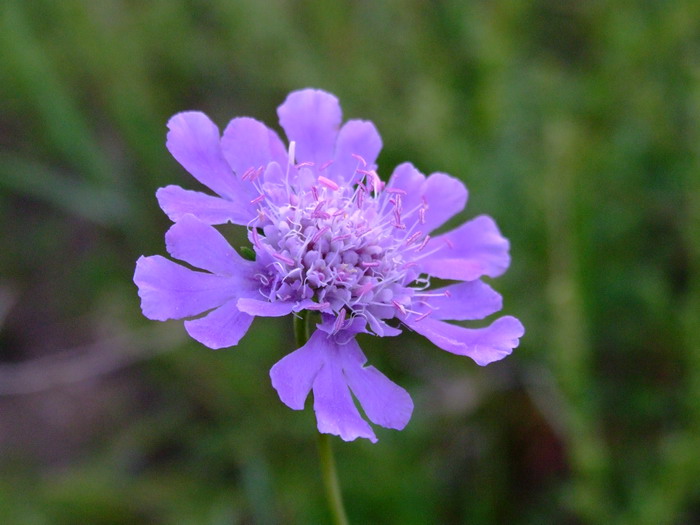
(328, 236)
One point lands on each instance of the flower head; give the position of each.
(328, 236)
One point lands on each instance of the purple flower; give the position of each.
(330, 237)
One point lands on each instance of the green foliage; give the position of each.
(575, 124)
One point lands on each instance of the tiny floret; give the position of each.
(327, 235)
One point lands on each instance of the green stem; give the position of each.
(325, 452)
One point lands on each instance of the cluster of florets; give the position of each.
(344, 247)
(328, 236)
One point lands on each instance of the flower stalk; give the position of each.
(329, 474)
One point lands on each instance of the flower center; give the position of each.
(345, 246)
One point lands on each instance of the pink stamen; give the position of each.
(449, 243)
(314, 192)
(364, 289)
(258, 199)
(320, 233)
(422, 245)
(286, 260)
(447, 293)
(421, 215)
(360, 195)
(304, 164)
(423, 315)
(340, 320)
(257, 173)
(370, 264)
(325, 165)
(341, 237)
(318, 306)
(328, 183)
(338, 213)
(247, 173)
(360, 159)
(398, 191)
(401, 308)
(413, 238)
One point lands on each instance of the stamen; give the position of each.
(449, 243)
(340, 320)
(304, 164)
(318, 306)
(328, 183)
(314, 192)
(320, 233)
(446, 293)
(325, 165)
(423, 244)
(258, 199)
(423, 315)
(421, 215)
(247, 173)
(398, 191)
(360, 159)
(286, 260)
(401, 308)
(413, 238)
(341, 237)
(370, 264)
(254, 176)
(364, 289)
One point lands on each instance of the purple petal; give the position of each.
(248, 143)
(202, 246)
(466, 301)
(294, 374)
(384, 402)
(468, 252)
(356, 137)
(441, 196)
(194, 141)
(483, 345)
(171, 291)
(221, 328)
(311, 118)
(176, 202)
(261, 308)
(445, 197)
(336, 412)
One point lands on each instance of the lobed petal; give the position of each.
(261, 308)
(311, 119)
(440, 195)
(468, 252)
(194, 141)
(171, 291)
(248, 143)
(356, 137)
(202, 246)
(483, 345)
(293, 375)
(384, 402)
(465, 301)
(221, 328)
(336, 412)
(177, 202)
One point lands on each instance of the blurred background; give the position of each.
(576, 125)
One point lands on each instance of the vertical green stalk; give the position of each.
(329, 473)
